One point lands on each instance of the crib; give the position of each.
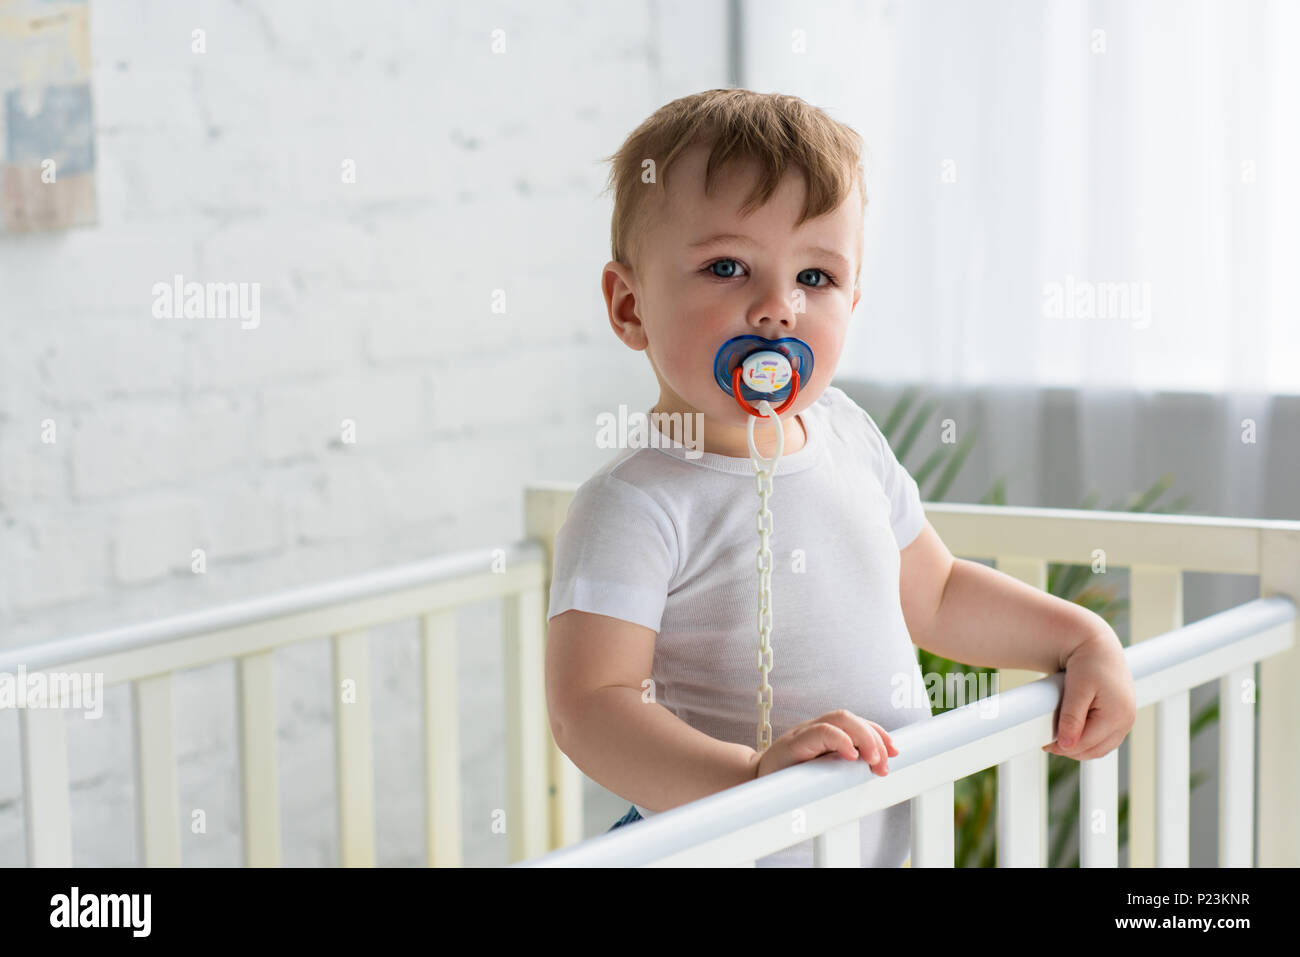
(743, 824)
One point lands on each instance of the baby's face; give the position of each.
(694, 292)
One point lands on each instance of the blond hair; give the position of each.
(778, 132)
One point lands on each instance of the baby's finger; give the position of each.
(1107, 746)
(824, 737)
(1096, 731)
(884, 736)
(882, 766)
(865, 737)
(873, 751)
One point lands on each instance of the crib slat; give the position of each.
(545, 508)
(1098, 817)
(1173, 792)
(526, 726)
(157, 797)
(46, 807)
(1279, 712)
(1156, 596)
(933, 843)
(441, 739)
(351, 655)
(255, 676)
(1019, 828)
(840, 846)
(1033, 572)
(1237, 768)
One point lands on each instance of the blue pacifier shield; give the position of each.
(767, 364)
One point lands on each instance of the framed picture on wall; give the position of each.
(47, 140)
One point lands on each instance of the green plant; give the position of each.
(975, 795)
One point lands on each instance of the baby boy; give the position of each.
(738, 213)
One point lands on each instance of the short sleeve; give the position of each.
(615, 554)
(906, 513)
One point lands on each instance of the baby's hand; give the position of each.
(840, 732)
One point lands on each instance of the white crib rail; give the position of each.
(1156, 549)
(248, 632)
(544, 804)
(827, 796)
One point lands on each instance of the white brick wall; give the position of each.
(475, 172)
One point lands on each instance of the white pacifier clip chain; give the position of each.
(743, 366)
(764, 469)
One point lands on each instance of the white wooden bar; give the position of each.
(1019, 809)
(353, 746)
(545, 507)
(1173, 792)
(260, 785)
(47, 815)
(157, 799)
(1190, 542)
(1033, 572)
(1278, 834)
(933, 829)
(527, 722)
(1098, 816)
(274, 621)
(1155, 607)
(1237, 767)
(441, 740)
(840, 846)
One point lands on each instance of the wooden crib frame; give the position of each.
(544, 799)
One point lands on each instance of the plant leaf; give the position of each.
(954, 465)
(899, 410)
(914, 428)
(929, 465)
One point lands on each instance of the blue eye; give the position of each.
(832, 281)
(732, 273)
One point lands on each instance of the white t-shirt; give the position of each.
(667, 540)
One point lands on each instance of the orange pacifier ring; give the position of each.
(735, 390)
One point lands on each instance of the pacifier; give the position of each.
(752, 368)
